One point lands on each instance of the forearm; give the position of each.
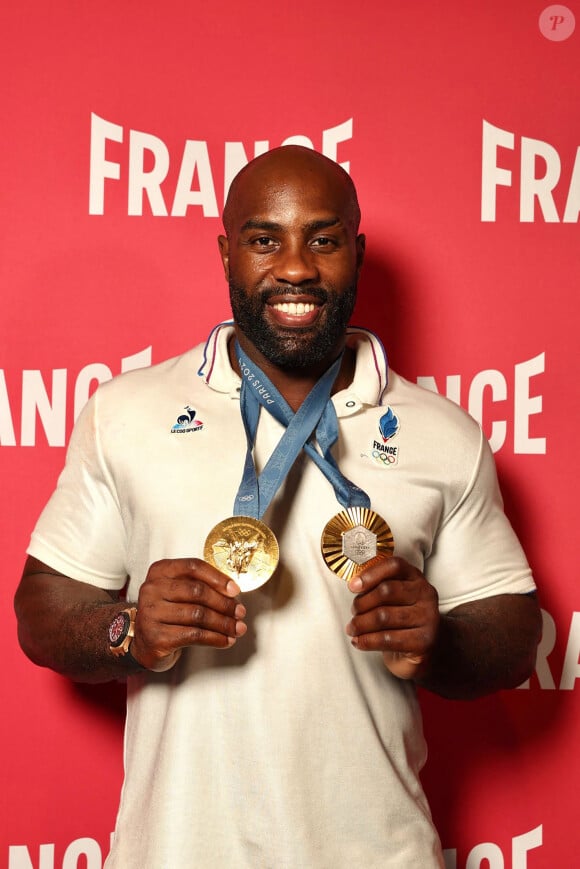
(484, 646)
(63, 624)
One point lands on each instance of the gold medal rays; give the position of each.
(355, 539)
(246, 550)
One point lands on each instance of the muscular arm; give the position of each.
(63, 623)
(475, 649)
(484, 646)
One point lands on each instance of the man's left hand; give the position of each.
(395, 612)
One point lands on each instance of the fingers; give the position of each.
(395, 570)
(415, 642)
(191, 569)
(388, 619)
(394, 612)
(189, 581)
(185, 602)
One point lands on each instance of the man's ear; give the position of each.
(224, 247)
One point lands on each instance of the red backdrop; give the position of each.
(122, 125)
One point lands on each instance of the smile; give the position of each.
(294, 308)
(298, 312)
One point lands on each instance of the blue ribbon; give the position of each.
(315, 415)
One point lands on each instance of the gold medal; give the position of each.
(355, 539)
(243, 548)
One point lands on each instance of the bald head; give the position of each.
(271, 174)
(292, 256)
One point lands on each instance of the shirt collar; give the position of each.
(371, 373)
(215, 368)
(367, 388)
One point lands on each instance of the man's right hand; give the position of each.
(63, 623)
(185, 602)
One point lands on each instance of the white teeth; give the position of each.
(295, 307)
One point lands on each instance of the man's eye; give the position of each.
(263, 241)
(323, 241)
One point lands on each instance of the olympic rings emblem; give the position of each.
(384, 458)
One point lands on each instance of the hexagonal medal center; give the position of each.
(359, 544)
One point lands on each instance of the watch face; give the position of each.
(118, 629)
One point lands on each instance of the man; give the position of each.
(281, 728)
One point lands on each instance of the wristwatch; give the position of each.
(122, 631)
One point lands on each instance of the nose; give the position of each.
(295, 264)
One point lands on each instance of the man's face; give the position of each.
(292, 259)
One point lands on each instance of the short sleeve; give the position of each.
(476, 553)
(80, 532)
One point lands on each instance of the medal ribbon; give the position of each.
(315, 415)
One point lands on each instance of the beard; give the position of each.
(293, 348)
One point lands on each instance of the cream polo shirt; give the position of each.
(291, 749)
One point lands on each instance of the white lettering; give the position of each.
(536, 184)
(149, 162)
(101, 168)
(7, 437)
(531, 187)
(50, 406)
(331, 139)
(486, 851)
(496, 382)
(526, 406)
(195, 156)
(492, 176)
(142, 181)
(571, 667)
(19, 857)
(572, 210)
(51, 411)
(524, 843)
(83, 848)
(488, 855)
